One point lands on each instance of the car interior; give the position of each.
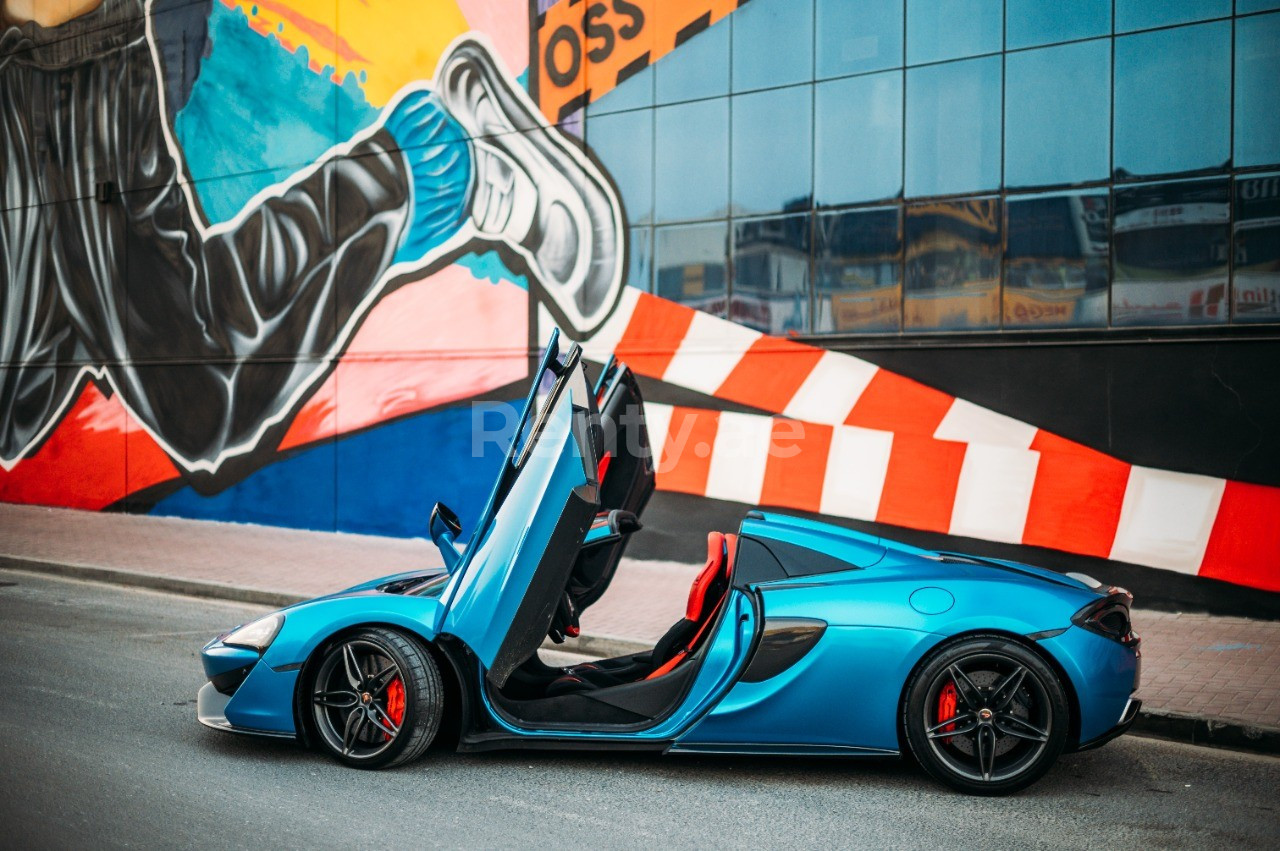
(635, 690)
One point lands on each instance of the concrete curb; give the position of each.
(155, 582)
(1153, 723)
(1210, 732)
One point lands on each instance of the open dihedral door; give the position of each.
(512, 576)
(626, 473)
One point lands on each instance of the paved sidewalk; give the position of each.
(1205, 678)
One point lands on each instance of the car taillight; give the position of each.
(1109, 617)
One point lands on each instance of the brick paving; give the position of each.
(1204, 666)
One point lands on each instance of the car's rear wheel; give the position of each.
(986, 716)
(376, 699)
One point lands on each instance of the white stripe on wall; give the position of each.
(657, 419)
(966, 422)
(856, 469)
(709, 352)
(739, 457)
(829, 393)
(994, 492)
(1166, 519)
(604, 341)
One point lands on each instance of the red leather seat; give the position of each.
(706, 595)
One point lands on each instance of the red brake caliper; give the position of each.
(395, 701)
(947, 708)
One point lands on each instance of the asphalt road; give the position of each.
(99, 746)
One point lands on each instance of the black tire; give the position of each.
(1001, 726)
(354, 702)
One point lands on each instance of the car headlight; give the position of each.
(256, 635)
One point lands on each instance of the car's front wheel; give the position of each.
(986, 716)
(376, 699)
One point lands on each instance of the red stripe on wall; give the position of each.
(897, 404)
(1075, 504)
(655, 331)
(770, 373)
(797, 465)
(1244, 546)
(920, 483)
(686, 455)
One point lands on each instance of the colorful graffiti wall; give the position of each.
(269, 262)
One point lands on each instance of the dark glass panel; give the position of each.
(772, 44)
(1173, 100)
(858, 35)
(1056, 260)
(953, 127)
(858, 151)
(1257, 113)
(1032, 22)
(858, 270)
(772, 150)
(1141, 14)
(952, 29)
(953, 265)
(1170, 253)
(640, 258)
(1057, 119)
(699, 68)
(771, 274)
(691, 160)
(623, 141)
(691, 265)
(1256, 283)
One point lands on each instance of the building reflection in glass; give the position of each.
(691, 265)
(1056, 265)
(1257, 248)
(771, 274)
(953, 265)
(1170, 253)
(857, 270)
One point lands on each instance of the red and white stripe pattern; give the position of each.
(850, 439)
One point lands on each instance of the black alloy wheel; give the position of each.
(986, 716)
(376, 699)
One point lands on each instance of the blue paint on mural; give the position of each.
(387, 480)
(258, 112)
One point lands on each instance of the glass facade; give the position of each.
(922, 166)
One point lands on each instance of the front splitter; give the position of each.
(211, 711)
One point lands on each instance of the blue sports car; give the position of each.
(799, 637)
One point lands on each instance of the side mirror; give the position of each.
(445, 528)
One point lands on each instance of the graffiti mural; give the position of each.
(264, 261)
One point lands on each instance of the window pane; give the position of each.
(699, 68)
(1170, 254)
(1033, 22)
(771, 274)
(1140, 14)
(772, 44)
(691, 262)
(858, 35)
(953, 265)
(623, 141)
(772, 150)
(1172, 100)
(1056, 266)
(858, 155)
(1058, 114)
(635, 92)
(1257, 106)
(1257, 248)
(857, 267)
(953, 127)
(640, 258)
(691, 160)
(1244, 7)
(951, 29)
